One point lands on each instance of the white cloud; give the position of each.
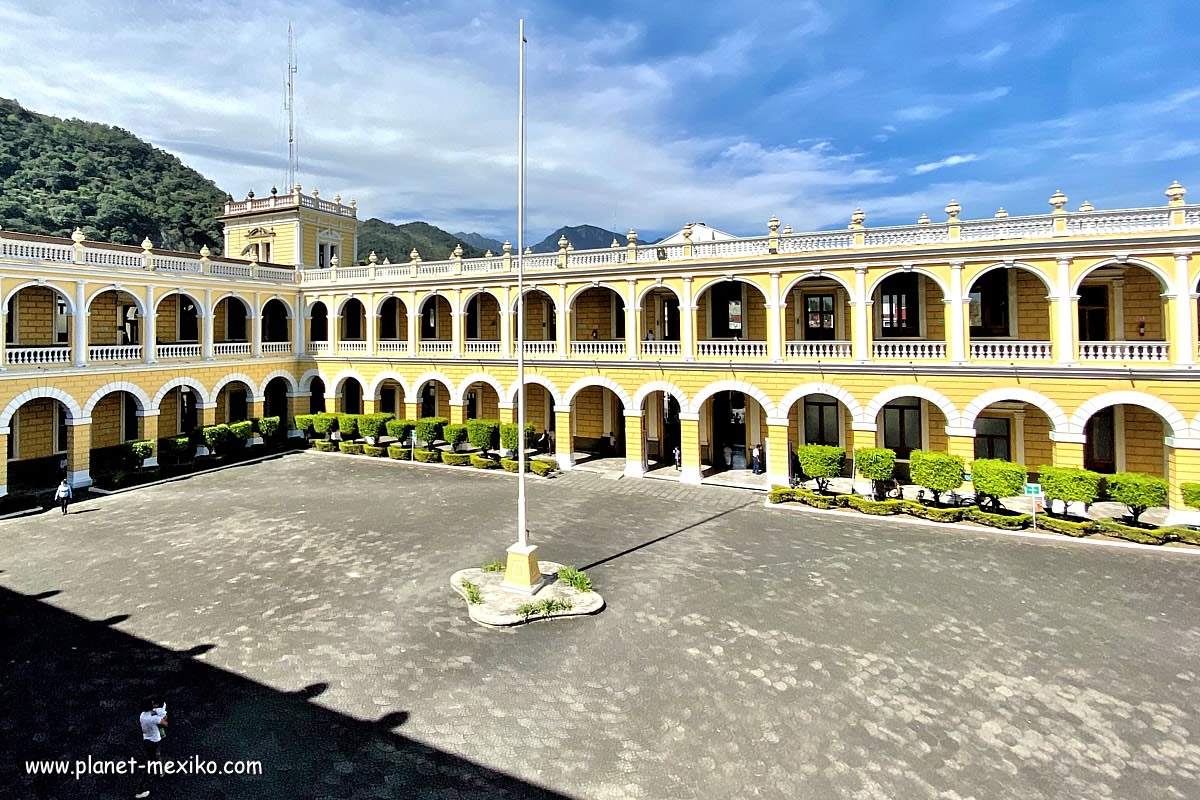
(986, 57)
(949, 161)
(921, 113)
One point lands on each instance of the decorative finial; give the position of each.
(858, 218)
(297, 188)
(923, 219)
(315, 193)
(250, 195)
(458, 251)
(77, 237)
(372, 259)
(414, 255)
(787, 230)
(147, 245)
(1087, 206)
(773, 224)
(570, 247)
(274, 191)
(632, 236)
(333, 262)
(562, 242)
(1001, 214)
(386, 260)
(953, 209)
(507, 247)
(337, 198)
(488, 254)
(353, 203)
(615, 243)
(1058, 200)
(528, 251)
(1175, 193)
(204, 251)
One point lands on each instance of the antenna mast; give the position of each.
(291, 109)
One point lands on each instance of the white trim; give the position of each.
(872, 409)
(552, 392)
(1058, 419)
(387, 374)
(278, 373)
(457, 397)
(1173, 418)
(843, 397)
(595, 380)
(1119, 438)
(143, 399)
(748, 389)
(73, 409)
(251, 391)
(646, 389)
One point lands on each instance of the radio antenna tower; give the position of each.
(290, 104)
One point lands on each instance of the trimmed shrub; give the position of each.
(1066, 526)
(456, 459)
(326, 445)
(348, 425)
(877, 508)
(176, 447)
(483, 462)
(429, 429)
(325, 423)
(483, 433)
(781, 494)
(509, 435)
(937, 472)
(1138, 491)
(400, 428)
(269, 426)
(427, 456)
(815, 500)
(821, 463)
(304, 422)
(454, 435)
(373, 450)
(994, 478)
(216, 437)
(369, 425)
(1070, 484)
(876, 464)
(242, 431)
(138, 451)
(512, 464)
(399, 453)
(353, 448)
(542, 468)
(1008, 522)
(1131, 534)
(931, 513)
(1191, 494)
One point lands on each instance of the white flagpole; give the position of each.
(521, 527)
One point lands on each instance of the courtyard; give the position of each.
(297, 612)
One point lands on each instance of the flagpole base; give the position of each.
(521, 572)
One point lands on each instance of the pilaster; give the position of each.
(774, 318)
(635, 445)
(632, 332)
(80, 321)
(778, 451)
(564, 441)
(861, 334)
(1065, 314)
(148, 431)
(689, 446)
(1183, 309)
(79, 452)
(207, 336)
(687, 317)
(956, 330)
(149, 330)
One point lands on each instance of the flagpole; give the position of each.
(522, 538)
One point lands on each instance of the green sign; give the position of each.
(1033, 489)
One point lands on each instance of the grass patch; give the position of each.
(474, 596)
(543, 607)
(494, 566)
(577, 579)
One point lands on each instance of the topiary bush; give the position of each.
(1066, 526)
(429, 429)
(994, 479)
(176, 448)
(374, 450)
(876, 464)
(1191, 494)
(217, 437)
(1070, 484)
(456, 459)
(242, 431)
(821, 463)
(781, 494)
(542, 468)
(484, 462)
(426, 456)
(512, 465)
(483, 433)
(937, 472)
(815, 500)
(137, 452)
(1008, 522)
(932, 513)
(353, 448)
(400, 453)
(324, 424)
(326, 445)
(369, 425)
(269, 427)
(347, 424)
(399, 429)
(509, 436)
(454, 435)
(1137, 491)
(878, 508)
(1131, 534)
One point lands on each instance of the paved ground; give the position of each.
(298, 612)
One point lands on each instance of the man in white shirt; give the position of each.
(151, 720)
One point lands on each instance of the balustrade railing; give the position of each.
(177, 350)
(433, 268)
(276, 348)
(231, 349)
(436, 347)
(318, 348)
(115, 352)
(1123, 351)
(229, 270)
(912, 351)
(660, 349)
(172, 264)
(481, 348)
(818, 350)
(18, 356)
(352, 346)
(98, 257)
(396, 347)
(541, 348)
(1010, 350)
(734, 349)
(595, 347)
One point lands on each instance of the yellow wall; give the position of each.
(593, 311)
(1143, 441)
(1142, 298)
(1033, 309)
(35, 316)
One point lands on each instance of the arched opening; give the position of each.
(115, 420)
(350, 396)
(732, 424)
(114, 327)
(597, 426)
(353, 321)
(1126, 438)
(37, 327)
(910, 423)
(316, 396)
(233, 402)
(661, 429)
(541, 324)
(539, 412)
(1008, 315)
(909, 318)
(598, 321)
(434, 397)
(819, 419)
(1121, 314)
(661, 328)
(37, 444)
(275, 399)
(275, 327)
(177, 327)
(480, 401)
(1015, 431)
(435, 333)
(817, 319)
(731, 321)
(393, 326)
(179, 411)
(318, 323)
(482, 325)
(231, 326)
(390, 398)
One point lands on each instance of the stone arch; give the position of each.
(201, 311)
(920, 270)
(1047, 280)
(334, 384)
(641, 296)
(1058, 419)
(647, 389)
(570, 301)
(251, 312)
(596, 380)
(1168, 412)
(422, 299)
(287, 304)
(540, 380)
(386, 375)
(745, 388)
(288, 377)
(456, 398)
(138, 393)
(139, 301)
(434, 375)
(312, 304)
(47, 284)
(341, 304)
(1164, 278)
(833, 276)
(191, 383)
(512, 303)
(241, 377)
(307, 378)
(466, 298)
(389, 296)
(949, 411)
(699, 289)
(800, 392)
(74, 412)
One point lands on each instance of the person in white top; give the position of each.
(152, 721)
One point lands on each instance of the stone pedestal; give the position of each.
(521, 573)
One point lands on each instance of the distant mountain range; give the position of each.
(582, 237)
(480, 242)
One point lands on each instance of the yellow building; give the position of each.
(1066, 338)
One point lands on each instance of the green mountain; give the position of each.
(480, 242)
(583, 237)
(56, 174)
(395, 242)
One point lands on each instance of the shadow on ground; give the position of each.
(72, 687)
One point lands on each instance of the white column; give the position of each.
(255, 322)
(506, 333)
(414, 316)
(774, 321)
(81, 324)
(632, 333)
(954, 307)
(563, 322)
(208, 326)
(457, 324)
(150, 329)
(1066, 325)
(372, 323)
(861, 346)
(299, 322)
(1185, 348)
(687, 318)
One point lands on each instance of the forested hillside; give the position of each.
(395, 242)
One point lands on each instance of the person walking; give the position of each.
(756, 459)
(152, 721)
(63, 495)
(678, 458)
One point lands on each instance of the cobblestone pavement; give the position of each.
(298, 611)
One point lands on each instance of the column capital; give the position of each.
(1182, 253)
(778, 421)
(71, 423)
(689, 416)
(960, 431)
(957, 265)
(562, 409)
(1063, 437)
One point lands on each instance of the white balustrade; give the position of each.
(1039, 227)
(660, 252)
(478, 348)
(392, 346)
(276, 348)
(538, 262)
(1123, 351)
(597, 347)
(1010, 350)
(807, 242)
(436, 347)
(660, 349)
(231, 349)
(910, 350)
(228, 270)
(164, 351)
(393, 271)
(353, 273)
(591, 258)
(98, 257)
(434, 268)
(172, 264)
(733, 349)
(277, 274)
(318, 348)
(541, 348)
(316, 276)
(352, 346)
(37, 356)
(818, 349)
(36, 251)
(115, 352)
(902, 236)
(728, 248)
(1136, 221)
(483, 265)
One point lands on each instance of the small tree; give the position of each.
(429, 429)
(268, 427)
(399, 429)
(1070, 484)
(1138, 491)
(348, 425)
(876, 464)
(995, 478)
(217, 437)
(937, 472)
(509, 436)
(483, 433)
(1191, 494)
(454, 435)
(137, 452)
(821, 463)
(325, 424)
(241, 432)
(304, 424)
(369, 425)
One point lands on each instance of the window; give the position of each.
(473, 318)
(1093, 313)
(902, 427)
(1100, 454)
(988, 304)
(60, 428)
(264, 252)
(389, 320)
(187, 411)
(818, 317)
(61, 325)
(129, 418)
(725, 311)
(188, 320)
(991, 438)
(429, 320)
(320, 323)
(352, 323)
(900, 306)
(821, 420)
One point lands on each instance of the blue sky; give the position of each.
(643, 114)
